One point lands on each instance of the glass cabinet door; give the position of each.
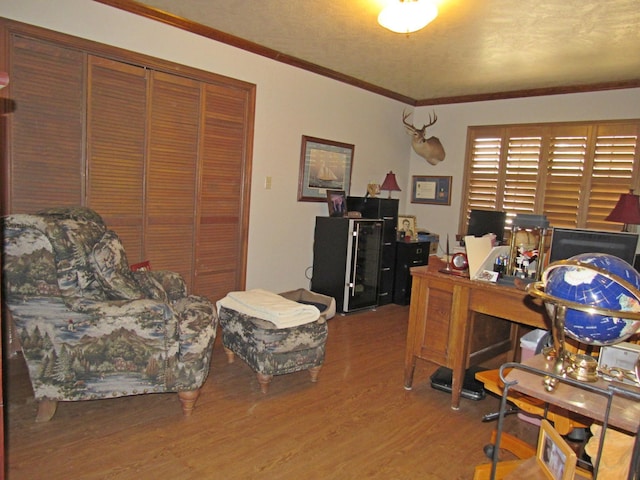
(364, 250)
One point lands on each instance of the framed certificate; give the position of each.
(431, 190)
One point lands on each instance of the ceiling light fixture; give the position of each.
(407, 16)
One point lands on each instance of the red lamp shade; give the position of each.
(390, 184)
(626, 211)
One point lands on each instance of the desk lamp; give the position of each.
(626, 211)
(390, 184)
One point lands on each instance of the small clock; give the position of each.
(459, 261)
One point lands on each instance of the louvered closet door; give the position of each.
(172, 187)
(219, 251)
(46, 127)
(116, 148)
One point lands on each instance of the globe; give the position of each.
(600, 281)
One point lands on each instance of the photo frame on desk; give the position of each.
(324, 165)
(337, 202)
(431, 190)
(554, 456)
(407, 224)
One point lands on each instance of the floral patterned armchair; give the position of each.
(89, 327)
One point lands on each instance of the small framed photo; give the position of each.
(324, 165)
(407, 228)
(337, 201)
(554, 455)
(431, 190)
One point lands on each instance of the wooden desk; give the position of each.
(456, 322)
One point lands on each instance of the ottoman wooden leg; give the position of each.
(188, 400)
(230, 355)
(264, 381)
(314, 371)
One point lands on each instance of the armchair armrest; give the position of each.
(172, 282)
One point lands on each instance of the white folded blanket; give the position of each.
(280, 311)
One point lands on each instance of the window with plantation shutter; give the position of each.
(573, 173)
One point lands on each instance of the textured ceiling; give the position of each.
(475, 48)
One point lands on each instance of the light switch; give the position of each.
(267, 183)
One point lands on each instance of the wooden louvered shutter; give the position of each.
(220, 253)
(483, 172)
(521, 171)
(565, 177)
(172, 187)
(47, 88)
(615, 154)
(116, 148)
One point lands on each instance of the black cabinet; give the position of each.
(408, 254)
(346, 261)
(385, 209)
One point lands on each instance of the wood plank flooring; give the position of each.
(356, 422)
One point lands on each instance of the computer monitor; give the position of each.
(567, 242)
(482, 222)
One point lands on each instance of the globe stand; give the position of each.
(577, 366)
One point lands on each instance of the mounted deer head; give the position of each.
(430, 148)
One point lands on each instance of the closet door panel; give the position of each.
(221, 245)
(46, 128)
(172, 176)
(116, 113)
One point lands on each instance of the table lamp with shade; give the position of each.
(390, 184)
(626, 211)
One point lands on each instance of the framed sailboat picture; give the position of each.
(324, 165)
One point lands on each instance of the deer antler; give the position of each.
(418, 131)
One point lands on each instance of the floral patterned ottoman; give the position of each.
(270, 350)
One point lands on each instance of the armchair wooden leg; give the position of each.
(46, 410)
(264, 381)
(314, 371)
(230, 355)
(188, 400)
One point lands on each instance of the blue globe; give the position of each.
(586, 285)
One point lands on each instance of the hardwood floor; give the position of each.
(356, 422)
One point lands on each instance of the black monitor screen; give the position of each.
(482, 222)
(567, 242)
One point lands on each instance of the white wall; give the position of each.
(291, 103)
(453, 121)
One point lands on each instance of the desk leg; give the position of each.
(409, 368)
(459, 341)
(415, 332)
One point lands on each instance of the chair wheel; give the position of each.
(488, 450)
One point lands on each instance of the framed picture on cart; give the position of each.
(554, 456)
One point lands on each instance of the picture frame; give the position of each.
(404, 222)
(337, 201)
(554, 455)
(434, 190)
(324, 165)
